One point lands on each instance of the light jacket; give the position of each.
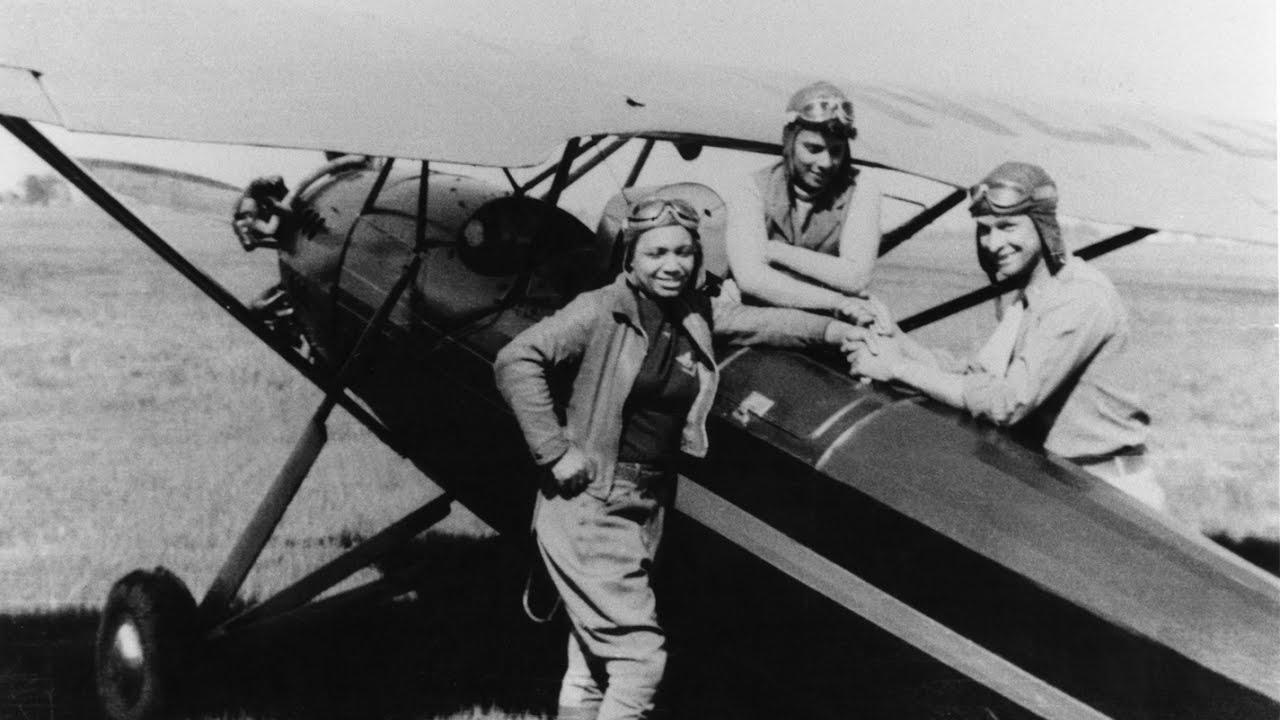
(600, 332)
(1070, 383)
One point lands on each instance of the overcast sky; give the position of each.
(1200, 56)
(1187, 55)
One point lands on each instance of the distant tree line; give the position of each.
(43, 190)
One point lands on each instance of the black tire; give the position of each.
(145, 645)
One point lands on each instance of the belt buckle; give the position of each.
(641, 476)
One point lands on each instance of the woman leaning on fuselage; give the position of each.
(805, 232)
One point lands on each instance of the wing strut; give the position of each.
(568, 156)
(981, 295)
(564, 178)
(281, 493)
(272, 508)
(601, 155)
(571, 151)
(420, 226)
(515, 186)
(372, 199)
(343, 566)
(908, 229)
(640, 161)
(83, 181)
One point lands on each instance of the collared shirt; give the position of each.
(664, 389)
(1067, 385)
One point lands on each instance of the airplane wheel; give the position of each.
(144, 645)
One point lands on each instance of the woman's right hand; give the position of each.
(573, 472)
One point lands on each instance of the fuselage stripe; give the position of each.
(869, 602)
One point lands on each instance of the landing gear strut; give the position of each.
(152, 631)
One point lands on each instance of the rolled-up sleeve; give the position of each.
(521, 373)
(1051, 351)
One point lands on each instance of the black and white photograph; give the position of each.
(591, 360)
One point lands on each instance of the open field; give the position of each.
(140, 426)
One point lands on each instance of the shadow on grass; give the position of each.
(46, 665)
(462, 642)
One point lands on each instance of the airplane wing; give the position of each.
(283, 74)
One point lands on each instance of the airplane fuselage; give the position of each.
(815, 485)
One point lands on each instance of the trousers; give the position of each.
(599, 547)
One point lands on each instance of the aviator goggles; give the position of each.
(826, 111)
(661, 212)
(1007, 199)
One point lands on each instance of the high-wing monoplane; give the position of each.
(856, 531)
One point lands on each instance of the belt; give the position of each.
(641, 476)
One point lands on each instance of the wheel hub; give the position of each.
(127, 646)
(125, 669)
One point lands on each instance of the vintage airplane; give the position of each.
(839, 534)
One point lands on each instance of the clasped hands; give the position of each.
(870, 338)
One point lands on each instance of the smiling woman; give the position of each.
(663, 252)
(806, 232)
(642, 390)
(642, 393)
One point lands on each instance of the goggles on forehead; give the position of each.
(662, 212)
(827, 111)
(1007, 198)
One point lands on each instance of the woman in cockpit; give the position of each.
(644, 385)
(805, 232)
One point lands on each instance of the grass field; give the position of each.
(140, 426)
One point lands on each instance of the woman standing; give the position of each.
(644, 385)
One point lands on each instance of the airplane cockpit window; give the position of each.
(482, 251)
(546, 255)
(546, 252)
